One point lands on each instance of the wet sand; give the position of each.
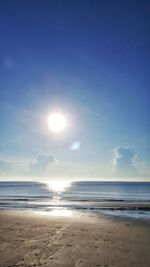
(36, 240)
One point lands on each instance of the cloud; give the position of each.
(123, 162)
(40, 165)
(5, 167)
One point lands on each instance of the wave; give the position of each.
(74, 206)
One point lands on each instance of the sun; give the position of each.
(56, 122)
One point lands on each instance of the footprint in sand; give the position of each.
(79, 263)
(69, 245)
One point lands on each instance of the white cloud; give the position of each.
(123, 162)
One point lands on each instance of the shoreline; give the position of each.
(132, 205)
(122, 210)
(35, 240)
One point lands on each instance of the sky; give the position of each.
(88, 60)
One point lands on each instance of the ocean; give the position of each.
(125, 199)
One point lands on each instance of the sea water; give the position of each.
(55, 197)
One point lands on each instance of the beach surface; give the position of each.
(28, 239)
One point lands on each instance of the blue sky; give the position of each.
(88, 60)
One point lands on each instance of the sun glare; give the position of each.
(56, 122)
(58, 186)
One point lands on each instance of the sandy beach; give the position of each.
(36, 240)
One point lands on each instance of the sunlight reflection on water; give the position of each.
(62, 213)
(56, 212)
(58, 186)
